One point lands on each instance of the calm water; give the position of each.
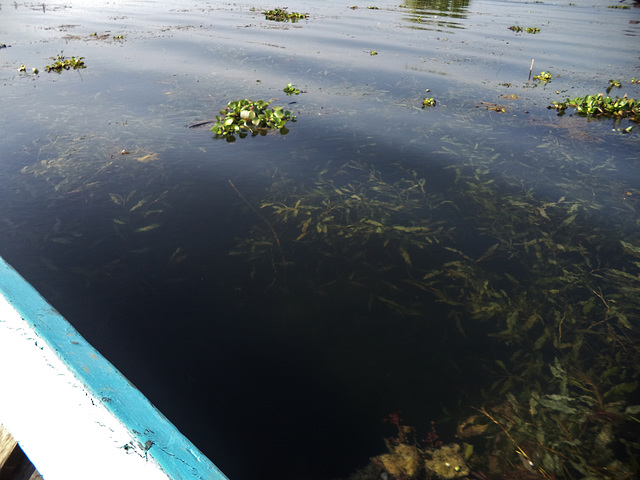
(272, 371)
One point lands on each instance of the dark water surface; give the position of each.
(286, 371)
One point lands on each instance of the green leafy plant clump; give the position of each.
(544, 77)
(517, 29)
(601, 106)
(428, 102)
(243, 116)
(60, 62)
(281, 15)
(290, 89)
(614, 84)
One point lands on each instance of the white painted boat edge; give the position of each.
(72, 412)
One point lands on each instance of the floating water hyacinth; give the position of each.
(281, 15)
(601, 106)
(60, 63)
(243, 116)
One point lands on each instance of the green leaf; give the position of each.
(621, 390)
(559, 403)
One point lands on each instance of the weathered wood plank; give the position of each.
(14, 464)
(7, 444)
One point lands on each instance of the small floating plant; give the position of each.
(281, 15)
(517, 29)
(614, 83)
(544, 77)
(243, 116)
(60, 62)
(291, 89)
(428, 102)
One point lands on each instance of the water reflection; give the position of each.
(438, 14)
(352, 268)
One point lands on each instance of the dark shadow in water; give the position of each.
(269, 383)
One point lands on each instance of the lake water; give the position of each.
(279, 296)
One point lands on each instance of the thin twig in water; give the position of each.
(518, 448)
(199, 124)
(263, 218)
(244, 199)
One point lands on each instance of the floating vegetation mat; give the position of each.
(283, 15)
(601, 106)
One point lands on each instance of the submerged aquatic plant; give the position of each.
(561, 299)
(94, 170)
(346, 231)
(539, 276)
(242, 116)
(411, 458)
(558, 296)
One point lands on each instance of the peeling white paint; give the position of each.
(66, 432)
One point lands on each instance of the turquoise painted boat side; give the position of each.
(160, 439)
